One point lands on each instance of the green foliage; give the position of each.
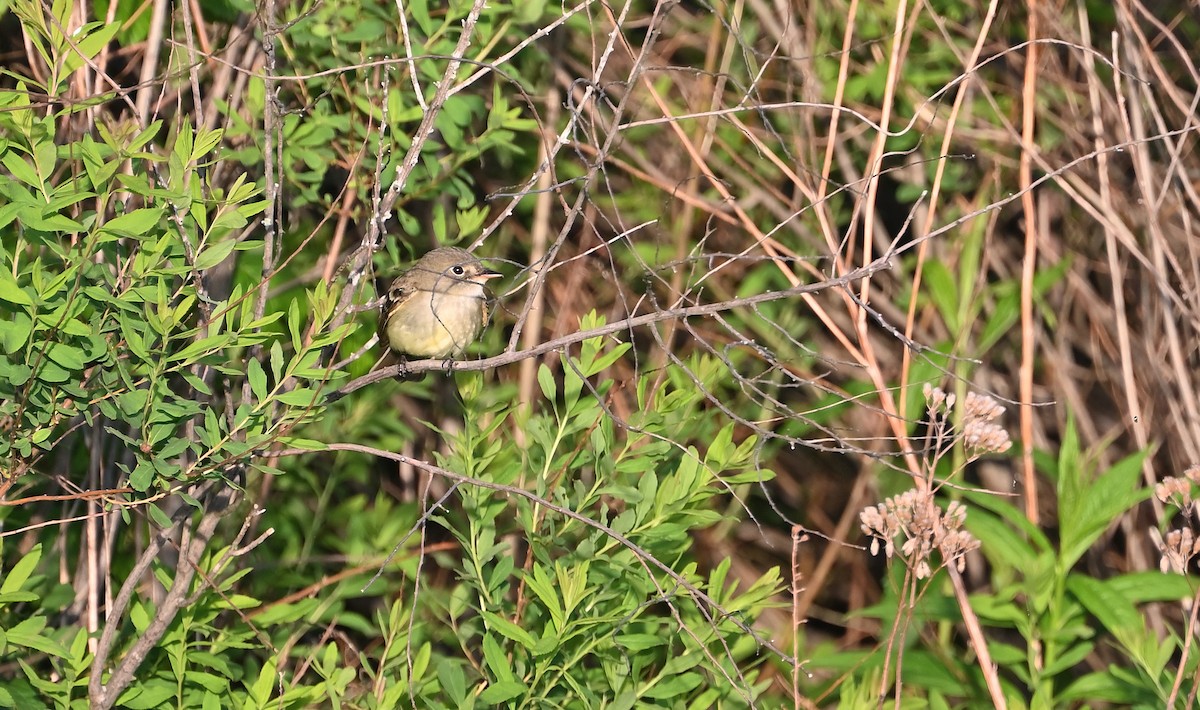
(596, 599)
(1059, 613)
(342, 46)
(1052, 606)
(593, 601)
(166, 349)
(25, 631)
(138, 346)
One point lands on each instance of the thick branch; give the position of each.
(192, 546)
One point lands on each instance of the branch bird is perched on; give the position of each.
(437, 308)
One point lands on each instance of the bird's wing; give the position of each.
(400, 291)
(489, 308)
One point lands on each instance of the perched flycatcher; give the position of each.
(437, 308)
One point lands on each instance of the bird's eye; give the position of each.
(458, 271)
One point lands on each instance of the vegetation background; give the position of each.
(848, 354)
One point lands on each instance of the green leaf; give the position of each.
(1069, 658)
(201, 348)
(943, 292)
(131, 331)
(260, 689)
(640, 642)
(147, 694)
(136, 224)
(1105, 602)
(22, 170)
(68, 356)
(89, 40)
(276, 614)
(542, 586)
(1012, 537)
(1153, 586)
(546, 380)
(419, 9)
(299, 397)
(15, 331)
(15, 598)
(509, 630)
(206, 140)
(29, 633)
(648, 486)
(257, 378)
(453, 681)
(277, 361)
(21, 571)
(674, 687)
(158, 517)
(214, 254)
(133, 401)
(751, 476)
(142, 476)
(18, 374)
(49, 371)
(1088, 508)
(502, 691)
(10, 291)
(603, 362)
(1104, 687)
(1006, 310)
(496, 661)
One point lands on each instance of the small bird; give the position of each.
(437, 308)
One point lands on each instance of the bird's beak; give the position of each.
(486, 275)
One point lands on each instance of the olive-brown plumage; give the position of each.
(438, 307)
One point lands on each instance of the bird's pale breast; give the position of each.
(432, 325)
